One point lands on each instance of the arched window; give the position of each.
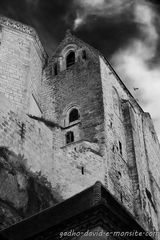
(69, 137)
(70, 60)
(73, 115)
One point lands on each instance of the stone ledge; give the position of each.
(83, 144)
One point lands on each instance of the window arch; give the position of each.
(74, 115)
(71, 115)
(70, 59)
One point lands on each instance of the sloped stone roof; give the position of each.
(93, 207)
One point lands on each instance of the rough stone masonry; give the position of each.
(67, 121)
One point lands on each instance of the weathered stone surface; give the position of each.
(22, 193)
(131, 130)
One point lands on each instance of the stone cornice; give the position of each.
(10, 23)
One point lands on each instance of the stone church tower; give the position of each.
(74, 122)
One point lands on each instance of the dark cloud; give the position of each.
(16, 9)
(51, 18)
(52, 15)
(157, 2)
(108, 35)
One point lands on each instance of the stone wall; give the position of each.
(68, 169)
(152, 150)
(76, 167)
(140, 147)
(22, 193)
(27, 137)
(21, 63)
(118, 179)
(48, 95)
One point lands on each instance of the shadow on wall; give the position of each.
(22, 193)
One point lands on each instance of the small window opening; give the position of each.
(84, 56)
(153, 135)
(69, 137)
(149, 195)
(55, 69)
(82, 170)
(118, 175)
(22, 130)
(113, 148)
(121, 197)
(70, 60)
(74, 115)
(120, 147)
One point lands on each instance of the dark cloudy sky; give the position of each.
(127, 32)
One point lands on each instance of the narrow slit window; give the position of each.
(69, 137)
(82, 170)
(120, 147)
(121, 197)
(55, 69)
(22, 131)
(84, 55)
(149, 195)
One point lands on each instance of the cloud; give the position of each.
(132, 62)
(103, 8)
(78, 21)
(93, 3)
(145, 17)
(33, 3)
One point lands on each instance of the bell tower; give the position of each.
(75, 102)
(75, 75)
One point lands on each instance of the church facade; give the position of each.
(69, 119)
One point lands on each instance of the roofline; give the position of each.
(121, 82)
